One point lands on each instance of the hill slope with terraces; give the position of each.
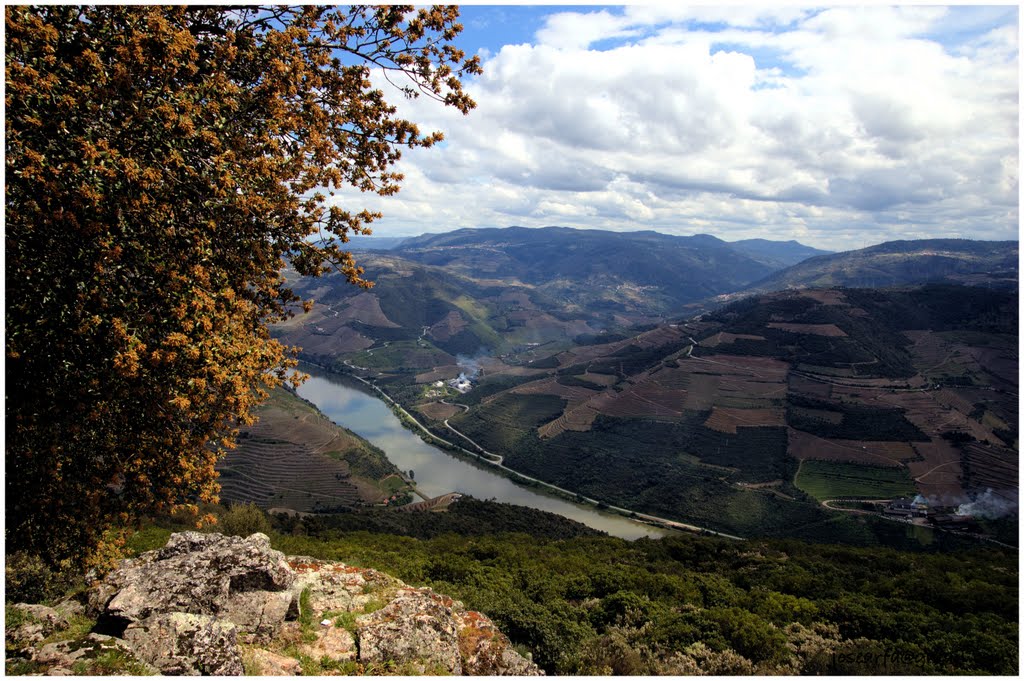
(295, 458)
(710, 421)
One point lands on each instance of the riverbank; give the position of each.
(409, 422)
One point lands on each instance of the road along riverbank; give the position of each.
(343, 397)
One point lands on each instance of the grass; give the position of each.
(347, 620)
(111, 663)
(306, 619)
(15, 617)
(148, 538)
(312, 666)
(393, 484)
(78, 627)
(832, 480)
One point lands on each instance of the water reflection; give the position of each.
(349, 404)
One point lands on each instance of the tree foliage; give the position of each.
(162, 162)
(689, 605)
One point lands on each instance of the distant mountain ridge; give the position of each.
(900, 263)
(777, 253)
(584, 263)
(471, 290)
(375, 243)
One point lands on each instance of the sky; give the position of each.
(840, 127)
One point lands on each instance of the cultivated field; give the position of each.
(727, 419)
(937, 470)
(364, 308)
(726, 338)
(276, 473)
(450, 325)
(324, 344)
(405, 354)
(438, 411)
(832, 480)
(997, 468)
(441, 373)
(827, 330)
(804, 446)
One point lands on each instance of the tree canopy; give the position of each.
(162, 163)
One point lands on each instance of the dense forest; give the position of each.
(587, 604)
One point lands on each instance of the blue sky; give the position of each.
(836, 126)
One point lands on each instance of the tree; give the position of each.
(162, 163)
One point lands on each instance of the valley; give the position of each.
(707, 418)
(437, 472)
(520, 340)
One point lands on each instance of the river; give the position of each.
(437, 472)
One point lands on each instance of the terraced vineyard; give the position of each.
(276, 473)
(295, 457)
(708, 420)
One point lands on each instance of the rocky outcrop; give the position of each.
(216, 605)
(418, 627)
(241, 580)
(180, 643)
(64, 657)
(39, 621)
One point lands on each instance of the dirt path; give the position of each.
(932, 470)
(819, 379)
(827, 503)
(465, 407)
(497, 459)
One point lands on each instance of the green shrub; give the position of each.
(30, 580)
(241, 520)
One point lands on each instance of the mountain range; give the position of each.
(438, 296)
(898, 263)
(605, 363)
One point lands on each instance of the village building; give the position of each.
(906, 508)
(462, 384)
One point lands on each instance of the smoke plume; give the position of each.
(989, 504)
(470, 365)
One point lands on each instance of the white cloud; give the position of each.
(837, 127)
(575, 30)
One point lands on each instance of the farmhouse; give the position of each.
(949, 521)
(462, 384)
(906, 508)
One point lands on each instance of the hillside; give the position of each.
(295, 458)
(692, 605)
(494, 291)
(497, 291)
(716, 421)
(901, 263)
(680, 606)
(418, 317)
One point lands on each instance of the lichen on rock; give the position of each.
(180, 643)
(210, 604)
